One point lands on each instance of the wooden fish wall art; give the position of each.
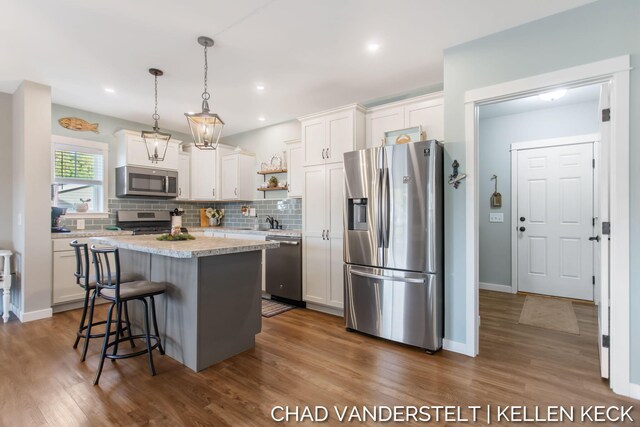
(79, 125)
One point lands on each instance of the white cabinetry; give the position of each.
(323, 228)
(326, 136)
(131, 150)
(237, 176)
(184, 176)
(295, 157)
(65, 288)
(426, 111)
(205, 172)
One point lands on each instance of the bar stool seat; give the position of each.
(132, 290)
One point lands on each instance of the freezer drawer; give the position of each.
(400, 306)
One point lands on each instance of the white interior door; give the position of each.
(555, 220)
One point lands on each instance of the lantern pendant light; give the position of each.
(156, 141)
(206, 127)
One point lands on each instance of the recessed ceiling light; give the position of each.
(260, 87)
(109, 90)
(262, 119)
(553, 95)
(373, 47)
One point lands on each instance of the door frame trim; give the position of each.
(593, 138)
(616, 70)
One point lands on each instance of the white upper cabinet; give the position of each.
(184, 176)
(237, 176)
(426, 111)
(328, 135)
(295, 159)
(131, 150)
(205, 172)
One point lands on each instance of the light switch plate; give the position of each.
(252, 212)
(496, 217)
(80, 224)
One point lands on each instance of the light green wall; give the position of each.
(496, 136)
(107, 125)
(597, 31)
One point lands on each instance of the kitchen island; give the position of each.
(212, 308)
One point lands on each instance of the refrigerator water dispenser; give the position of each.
(358, 214)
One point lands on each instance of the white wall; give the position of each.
(496, 135)
(31, 198)
(6, 158)
(265, 142)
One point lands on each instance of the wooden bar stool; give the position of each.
(89, 286)
(6, 284)
(110, 287)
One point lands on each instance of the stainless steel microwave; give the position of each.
(134, 181)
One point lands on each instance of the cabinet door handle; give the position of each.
(323, 235)
(235, 191)
(328, 155)
(179, 191)
(213, 192)
(323, 157)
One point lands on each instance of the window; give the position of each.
(79, 175)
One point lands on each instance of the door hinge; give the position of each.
(593, 163)
(593, 280)
(606, 228)
(593, 222)
(605, 341)
(606, 114)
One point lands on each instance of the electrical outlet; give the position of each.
(252, 212)
(80, 224)
(496, 217)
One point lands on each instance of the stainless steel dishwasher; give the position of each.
(284, 269)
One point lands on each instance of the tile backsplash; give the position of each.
(288, 212)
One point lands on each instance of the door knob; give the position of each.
(597, 238)
(522, 219)
(522, 229)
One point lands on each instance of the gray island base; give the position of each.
(212, 308)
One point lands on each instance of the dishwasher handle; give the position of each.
(285, 242)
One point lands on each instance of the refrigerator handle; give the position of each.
(395, 279)
(385, 207)
(379, 213)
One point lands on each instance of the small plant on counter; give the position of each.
(176, 238)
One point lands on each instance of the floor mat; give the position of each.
(549, 313)
(272, 308)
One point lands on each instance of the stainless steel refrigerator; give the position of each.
(393, 243)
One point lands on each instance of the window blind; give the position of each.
(78, 166)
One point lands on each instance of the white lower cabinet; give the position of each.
(323, 281)
(65, 288)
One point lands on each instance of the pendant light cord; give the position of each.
(156, 116)
(205, 94)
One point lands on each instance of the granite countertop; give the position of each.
(200, 247)
(90, 233)
(287, 233)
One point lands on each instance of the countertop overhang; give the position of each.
(200, 247)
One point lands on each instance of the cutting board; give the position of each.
(204, 219)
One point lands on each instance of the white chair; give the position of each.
(5, 282)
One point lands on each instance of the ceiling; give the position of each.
(575, 95)
(310, 55)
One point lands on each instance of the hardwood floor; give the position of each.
(301, 358)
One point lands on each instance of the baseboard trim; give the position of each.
(634, 391)
(495, 287)
(35, 315)
(325, 309)
(456, 347)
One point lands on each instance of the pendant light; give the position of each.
(206, 127)
(156, 141)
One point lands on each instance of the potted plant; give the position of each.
(83, 206)
(273, 182)
(215, 216)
